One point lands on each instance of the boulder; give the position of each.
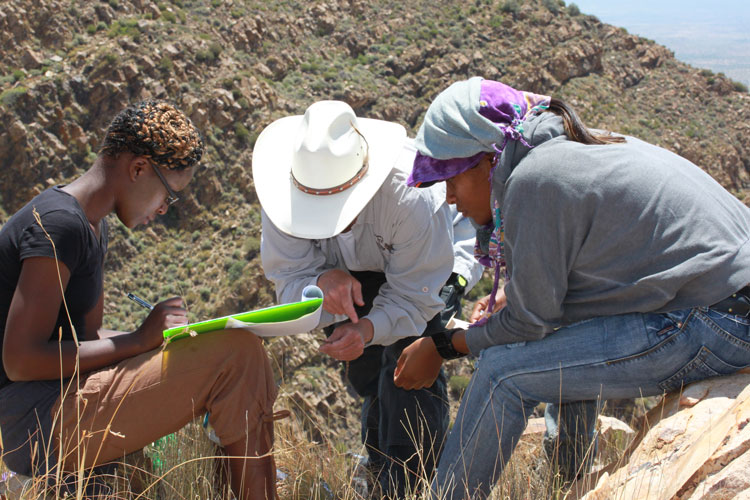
(694, 446)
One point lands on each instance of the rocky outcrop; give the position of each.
(695, 445)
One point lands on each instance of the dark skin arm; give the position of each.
(94, 328)
(28, 352)
(419, 363)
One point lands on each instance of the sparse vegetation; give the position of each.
(10, 97)
(573, 10)
(388, 63)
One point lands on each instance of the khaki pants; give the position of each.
(128, 405)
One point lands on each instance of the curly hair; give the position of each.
(157, 130)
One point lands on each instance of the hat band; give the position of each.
(333, 190)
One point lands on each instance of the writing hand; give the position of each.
(166, 314)
(418, 366)
(347, 342)
(341, 291)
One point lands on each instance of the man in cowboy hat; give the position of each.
(337, 213)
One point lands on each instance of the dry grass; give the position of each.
(186, 465)
(314, 459)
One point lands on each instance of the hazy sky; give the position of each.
(706, 34)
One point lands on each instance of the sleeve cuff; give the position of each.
(380, 325)
(477, 339)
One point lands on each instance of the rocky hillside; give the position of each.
(66, 67)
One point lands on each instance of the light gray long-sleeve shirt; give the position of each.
(599, 230)
(404, 232)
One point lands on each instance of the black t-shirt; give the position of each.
(76, 245)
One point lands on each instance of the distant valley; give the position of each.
(705, 35)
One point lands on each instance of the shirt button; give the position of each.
(425, 289)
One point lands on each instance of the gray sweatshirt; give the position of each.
(596, 230)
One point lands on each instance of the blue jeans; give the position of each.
(569, 437)
(624, 356)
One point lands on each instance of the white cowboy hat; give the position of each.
(315, 173)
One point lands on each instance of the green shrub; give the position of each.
(204, 55)
(739, 87)
(111, 58)
(458, 384)
(166, 64)
(552, 6)
(11, 96)
(242, 133)
(209, 54)
(496, 21)
(251, 246)
(511, 7)
(236, 270)
(573, 10)
(215, 48)
(125, 27)
(169, 16)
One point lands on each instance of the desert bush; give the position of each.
(125, 27)
(511, 7)
(552, 6)
(10, 97)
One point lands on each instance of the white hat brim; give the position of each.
(319, 216)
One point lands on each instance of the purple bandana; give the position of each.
(500, 112)
(440, 170)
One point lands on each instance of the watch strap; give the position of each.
(444, 345)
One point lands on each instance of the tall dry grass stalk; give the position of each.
(186, 465)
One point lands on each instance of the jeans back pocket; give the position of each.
(702, 366)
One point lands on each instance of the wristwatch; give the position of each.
(444, 345)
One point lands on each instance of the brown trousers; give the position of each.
(126, 406)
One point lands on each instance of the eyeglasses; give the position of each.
(172, 197)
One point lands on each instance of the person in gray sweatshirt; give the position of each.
(626, 268)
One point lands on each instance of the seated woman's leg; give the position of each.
(126, 406)
(569, 437)
(623, 356)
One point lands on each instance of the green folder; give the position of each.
(273, 314)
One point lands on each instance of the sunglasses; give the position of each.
(172, 197)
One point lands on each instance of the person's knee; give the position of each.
(245, 359)
(242, 347)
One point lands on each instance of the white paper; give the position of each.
(457, 323)
(302, 324)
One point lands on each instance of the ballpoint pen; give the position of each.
(140, 301)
